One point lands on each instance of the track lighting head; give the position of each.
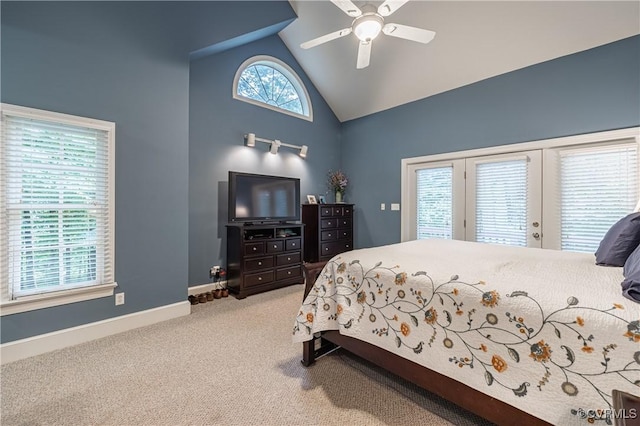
(274, 146)
(251, 139)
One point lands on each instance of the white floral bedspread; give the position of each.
(546, 331)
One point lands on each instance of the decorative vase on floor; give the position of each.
(338, 197)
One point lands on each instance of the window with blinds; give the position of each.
(434, 188)
(561, 194)
(501, 202)
(598, 186)
(56, 200)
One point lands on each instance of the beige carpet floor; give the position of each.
(231, 362)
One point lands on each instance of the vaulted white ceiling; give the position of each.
(474, 40)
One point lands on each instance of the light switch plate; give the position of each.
(395, 206)
(383, 206)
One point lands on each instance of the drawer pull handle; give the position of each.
(259, 263)
(259, 278)
(289, 272)
(326, 249)
(255, 248)
(329, 235)
(275, 246)
(293, 244)
(347, 245)
(288, 258)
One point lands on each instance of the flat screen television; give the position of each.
(263, 199)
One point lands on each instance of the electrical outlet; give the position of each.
(214, 271)
(119, 298)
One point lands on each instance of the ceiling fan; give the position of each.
(368, 24)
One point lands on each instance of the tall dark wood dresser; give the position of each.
(328, 230)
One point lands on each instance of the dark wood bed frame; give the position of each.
(452, 390)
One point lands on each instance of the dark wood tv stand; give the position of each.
(262, 257)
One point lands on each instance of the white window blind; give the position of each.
(598, 186)
(434, 188)
(501, 202)
(56, 210)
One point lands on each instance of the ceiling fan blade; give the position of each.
(364, 54)
(390, 6)
(409, 33)
(348, 7)
(325, 38)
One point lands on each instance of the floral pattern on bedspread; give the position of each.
(503, 343)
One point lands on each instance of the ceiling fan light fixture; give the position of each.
(368, 27)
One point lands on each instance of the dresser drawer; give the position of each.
(344, 222)
(333, 248)
(275, 246)
(288, 259)
(254, 248)
(258, 263)
(258, 278)
(293, 244)
(343, 234)
(329, 249)
(328, 223)
(326, 211)
(283, 274)
(330, 235)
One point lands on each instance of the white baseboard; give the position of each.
(25, 348)
(203, 288)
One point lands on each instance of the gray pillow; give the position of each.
(619, 241)
(631, 283)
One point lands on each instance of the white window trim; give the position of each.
(408, 165)
(288, 72)
(46, 300)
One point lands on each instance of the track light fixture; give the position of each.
(275, 144)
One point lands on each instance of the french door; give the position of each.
(562, 196)
(504, 199)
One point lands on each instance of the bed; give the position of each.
(533, 335)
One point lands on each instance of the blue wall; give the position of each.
(591, 91)
(176, 138)
(217, 127)
(126, 62)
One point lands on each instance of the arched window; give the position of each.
(270, 83)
